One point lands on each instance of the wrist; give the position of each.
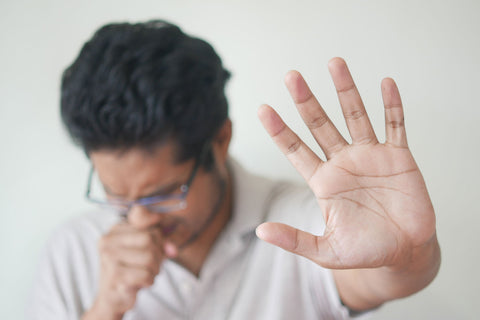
(364, 289)
(102, 311)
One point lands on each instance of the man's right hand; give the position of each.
(130, 260)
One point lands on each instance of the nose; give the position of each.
(141, 218)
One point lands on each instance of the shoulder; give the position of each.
(82, 228)
(67, 273)
(73, 246)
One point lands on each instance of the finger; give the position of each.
(133, 238)
(317, 121)
(299, 242)
(132, 258)
(298, 153)
(394, 119)
(353, 109)
(138, 259)
(131, 278)
(134, 249)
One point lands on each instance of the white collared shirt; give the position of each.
(242, 277)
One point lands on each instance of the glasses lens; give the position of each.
(98, 195)
(167, 205)
(161, 204)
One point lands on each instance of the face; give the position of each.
(137, 174)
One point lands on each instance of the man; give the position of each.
(176, 236)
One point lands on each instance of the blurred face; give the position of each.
(137, 174)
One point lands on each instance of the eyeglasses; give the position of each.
(159, 204)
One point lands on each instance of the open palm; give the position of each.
(372, 195)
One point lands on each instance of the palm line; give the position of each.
(376, 176)
(359, 204)
(385, 211)
(366, 188)
(378, 213)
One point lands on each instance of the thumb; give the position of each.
(315, 248)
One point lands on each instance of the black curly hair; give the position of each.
(139, 85)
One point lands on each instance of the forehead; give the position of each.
(136, 171)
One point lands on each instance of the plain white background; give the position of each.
(430, 47)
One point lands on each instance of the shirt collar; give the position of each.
(251, 198)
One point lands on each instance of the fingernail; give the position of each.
(259, 231)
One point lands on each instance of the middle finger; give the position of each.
(353, 109)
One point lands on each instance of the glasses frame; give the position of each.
(148, 202)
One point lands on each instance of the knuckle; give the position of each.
(354, 114)
(364, 141)
(393, 106)
(129, 279)
(118, 228)
(293, 147)
(150, 259)
(144, 239)
(396, 124)
(346, 89)
(107, 252)
(107, 256)
(317, 122)
(149, 279)
(117, 275)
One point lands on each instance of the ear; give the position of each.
(221, 142)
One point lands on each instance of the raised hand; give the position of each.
(372, 195)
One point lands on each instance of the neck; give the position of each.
(194, 254)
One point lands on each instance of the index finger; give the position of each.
(298, 153)
(312, 113)
(126, 236)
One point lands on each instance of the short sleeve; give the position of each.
(66, 277)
